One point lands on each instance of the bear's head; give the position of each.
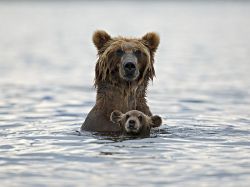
(125, 59)
(135, 122)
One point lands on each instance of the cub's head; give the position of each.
(123, 59)
(135, 122)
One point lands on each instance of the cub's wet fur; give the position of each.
(135, 122)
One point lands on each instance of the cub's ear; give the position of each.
(156, 121)
(100, 38)
(151, 40)
(116, 116)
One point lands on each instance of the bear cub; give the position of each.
(135, 122)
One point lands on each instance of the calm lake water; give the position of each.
(202, 92)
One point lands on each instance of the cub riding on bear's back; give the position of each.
(123, 70)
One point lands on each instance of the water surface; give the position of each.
(202, 92)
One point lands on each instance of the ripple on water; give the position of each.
(200, 91)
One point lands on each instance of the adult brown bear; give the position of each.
(123, 70)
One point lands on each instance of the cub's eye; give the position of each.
(127, 116)
(138, 53)
(140, 118)
(119, 52)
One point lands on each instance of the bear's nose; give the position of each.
(129, 67)
(131, 123)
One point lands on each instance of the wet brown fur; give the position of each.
(113, 92)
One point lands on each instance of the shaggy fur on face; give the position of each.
(108, 66)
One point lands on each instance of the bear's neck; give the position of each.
(111, 97)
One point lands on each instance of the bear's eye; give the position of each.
(138, 53)
(119, 52)
(140, 118)
(127, 116)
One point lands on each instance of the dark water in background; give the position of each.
(202, 91)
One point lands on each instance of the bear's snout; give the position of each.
(129, 68)
(131, 124)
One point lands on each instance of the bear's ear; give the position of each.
(151, 40)
(116, 116)
(156, 121)
(100, 38)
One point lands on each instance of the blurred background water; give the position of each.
(202, 91)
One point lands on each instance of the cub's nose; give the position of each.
(130, 67)
(131, 124)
